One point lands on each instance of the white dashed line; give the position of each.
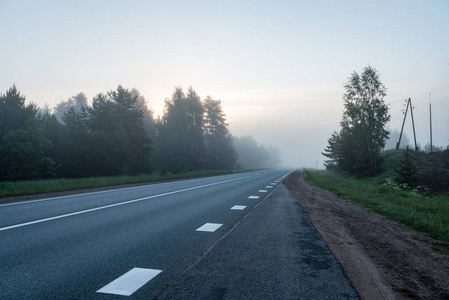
(129, 282)
(209, 227)
(117, 204)
(268, 187)
(263, 191)
(238, 207)
(253, 197)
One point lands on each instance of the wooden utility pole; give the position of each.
(409, 104)
(402, 129)
(413, 122)
(430, 115)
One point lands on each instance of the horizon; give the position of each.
(278, 67)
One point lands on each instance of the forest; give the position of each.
(117, 134)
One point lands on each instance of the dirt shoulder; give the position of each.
(382, 259)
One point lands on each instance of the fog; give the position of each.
(300, 127)
(277, 66)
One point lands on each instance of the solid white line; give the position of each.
(94, 193)
(81, 194)
(209, 227)
(117, 204)
(253, 197)
(238, 207)
(129, 282)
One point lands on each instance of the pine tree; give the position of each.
(180, 132)
(406, 169)
(332, 152)
(220, 153)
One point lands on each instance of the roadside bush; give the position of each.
(406, 170)
(432, 170)
(424, 172)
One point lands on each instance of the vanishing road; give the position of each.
(239, 236)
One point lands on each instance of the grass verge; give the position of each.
(22, 188)
(428, 215)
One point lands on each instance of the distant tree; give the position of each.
(332, 151)
(14, 113)
(435, 148)
(363, 134)
(23, 148)
(274, 156)
(180, 132)
(52, 130)
(250, 154)
(77, 150)
(394, 138)
(194, 116)
(148, 115)
(120, 140)
(22, 153)
(220, 153)
(264, 156)
(76, 102)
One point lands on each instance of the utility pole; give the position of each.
(402, 129)
(409, 104)
(413, 122)
(430, 115)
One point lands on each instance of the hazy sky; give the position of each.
(278, 66)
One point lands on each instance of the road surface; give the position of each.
(226, 237)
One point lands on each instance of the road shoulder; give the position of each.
(274, 253)
(382, 259)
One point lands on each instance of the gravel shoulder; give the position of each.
(273, 252)
(382, 259)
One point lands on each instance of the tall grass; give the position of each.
(21, 188)
(426, 214)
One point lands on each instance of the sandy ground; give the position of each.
(382, 259)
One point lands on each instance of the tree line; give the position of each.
(118, 134)
(424, 172)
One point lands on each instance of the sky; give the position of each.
(278, 67)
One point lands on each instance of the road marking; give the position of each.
(238, 207)
(98, 192)
(253, 197)
(273, 183)
(263, 191)
(209, 227)
(268, 187)
(83, 194)
(129, 282)
(117, 204)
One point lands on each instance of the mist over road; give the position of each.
(145, 242)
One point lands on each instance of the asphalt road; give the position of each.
(149, 242)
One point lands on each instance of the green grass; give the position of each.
(428, 215)
(21, 188)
